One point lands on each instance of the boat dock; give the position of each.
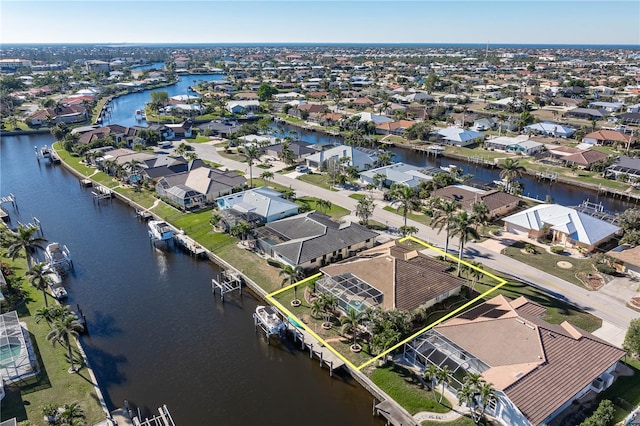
(35, 224)
(101, 193)
(144, 215)
(229, 282)
(189, 244)
(124, 417)
(86, 183)
(308, 342)
(550, 176)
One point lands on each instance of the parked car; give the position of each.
(302, 169)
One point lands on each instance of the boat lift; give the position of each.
(229, 281)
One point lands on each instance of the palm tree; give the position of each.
(384, 158)
(467, 396)
(51, 313)
(462, 227)
(407, 199)
(350, 324)
(486, 394)
(431, 374)
(63, 330)
(378, 180)
(323, 204)
(408, 230)
(291, 274)
(443, 217)
(288, 194)
(240, 229)
(444, 378)
(71, 415)
(480, 214)
(364, 210)
(317, 307)
(39, 277)
(511, 169)
(24, 240)
(266, 176)
(475, 273)
(251, 152)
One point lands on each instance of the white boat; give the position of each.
(53, 276)
(270, 320)
(59, 292)
(45, 151)
(159, 230)
(58, 257)
(139, 115)
(449, 169)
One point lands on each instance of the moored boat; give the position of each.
(270, 320)
(58, 256)
(159, 230)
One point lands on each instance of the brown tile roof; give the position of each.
(392, 125)
(539, 366)
(466, 198)
(629, 256)
(586, 158)
(610, 135)
(407, 278)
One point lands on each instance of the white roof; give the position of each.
(577, 225)
(378, 119)
(459, 135)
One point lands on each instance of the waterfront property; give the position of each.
(499, 203)
(459, 137)
(257, 204)
(537, 369)
(360, 158)
(547, 128)
(625, 166)
(519, 144)
(627, 259)
(567, 226)
(397, 173)
(17, 358)
(312, 239)
(390, 276)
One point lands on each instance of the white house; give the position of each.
(550, 129)
(360, 158)
(378, 119)
(265, 203)
(397, 173)
(520, 143)
(459, 137)
(239, 107)
(566, 225)
(290, 96)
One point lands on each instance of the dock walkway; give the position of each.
(307, 341)
(189, 244)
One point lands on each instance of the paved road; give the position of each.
(616, 315)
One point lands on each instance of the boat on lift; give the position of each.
(58, 256)
(270, 319)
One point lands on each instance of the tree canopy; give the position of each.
(632, 338)
(266, 91)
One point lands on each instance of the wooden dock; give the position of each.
(86, 183)
(101, 193)
(189, 244)
(317, 349)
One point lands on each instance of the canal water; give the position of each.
(566, 195)
(157, 335)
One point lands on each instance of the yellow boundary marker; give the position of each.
(500, 283)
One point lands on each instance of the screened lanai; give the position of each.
(433, 348)
(17, 359)
(350, 291)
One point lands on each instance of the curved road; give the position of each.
(615, 315)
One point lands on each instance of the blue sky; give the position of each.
(158, 21)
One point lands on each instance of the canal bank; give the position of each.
(157, 334)
(389, 409)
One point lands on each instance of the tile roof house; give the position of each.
(361, 158)
(459, 137)
(585, 159)
(394, 127)
(396, 173)
(389, 276)
(625, 165)
(567, 226)
(537, 369)
(499, 203)
(198, 187)
(627, 259)
(264, 203)
(312, 239)
(60, 114)
(300, 149)
(609, 137)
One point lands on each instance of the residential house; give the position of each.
(290, 96)
(548, 128)
(396, 173)
(61, 114)
(499, 203)
(368, 116)
(519, 144)
(264, 204)
(585, 159)
(300, 149)
(536, 369)
(565, 225)
(413, 97)
(360, 158)
(624, 166)
(627, 259)
(609, 137)
(311, 240)
(389, 276)
(246, 96)
(459, 137)
(611, 107)
(633, 108)
(182, 130)
(630, 118)
(224, 129)
(394, 127)
(164, 165)
(560, 152)
(482, 124)
(242, 107)
(166, 133)
(97, 66)
(586, 113)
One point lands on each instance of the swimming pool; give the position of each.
(9, 352)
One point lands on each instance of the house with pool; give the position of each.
(389, 276)
(17, 357)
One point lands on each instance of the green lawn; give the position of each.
(625, 392)
(358, 196)
(199, 139)
(54, 384)
(406, 389)
(335, 211)
(548, 262)
(318, 179)
(72, 160)
(460, 421)
(144, 198)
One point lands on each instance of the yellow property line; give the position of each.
(501, 282)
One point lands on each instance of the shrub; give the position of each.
(557, 249)
(530, 248)
(605, 269)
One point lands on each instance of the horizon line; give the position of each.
(263, 43)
